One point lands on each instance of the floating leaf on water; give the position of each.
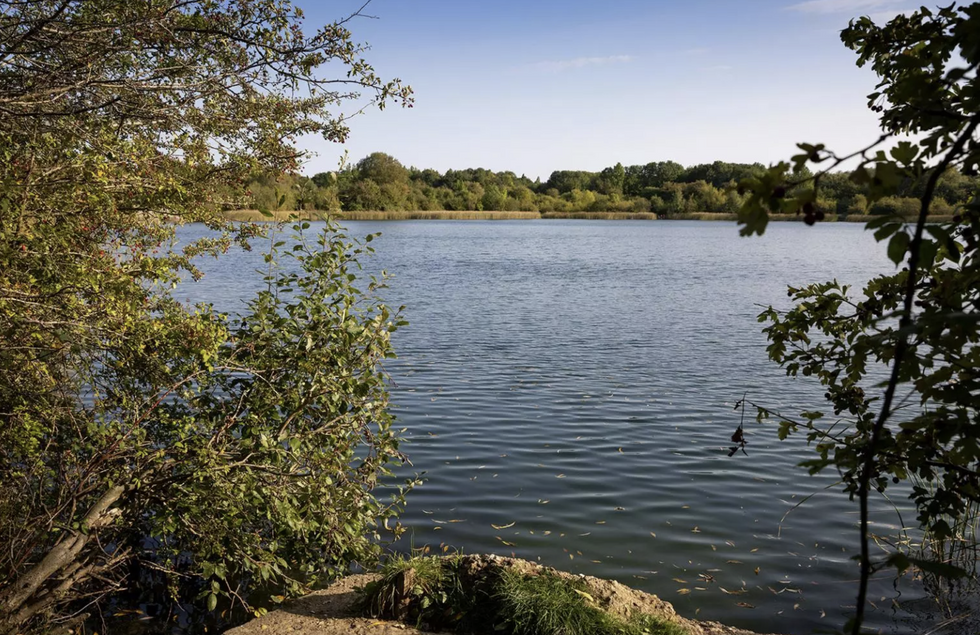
(621, 450)
(696, 530)
(714, 548)
(620, 509)
(503, 526)
(757, 570)
(541, 502)
(733, 561)
(683, 591)
(653, 534)
(700, 588)
(560, 476)
(600, 522)
(729, 543)
(735, 592)
(679, 581)
(745, 605)
(588, 533)
(753, 550)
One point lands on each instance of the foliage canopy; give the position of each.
(144, 442)
(922, 321)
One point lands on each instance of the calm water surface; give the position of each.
(567, 388)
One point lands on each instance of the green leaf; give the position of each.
(904, 152)
(886, 231)
(941, 569)
(897, 247)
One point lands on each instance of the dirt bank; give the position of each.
(328, 612)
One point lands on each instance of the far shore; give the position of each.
(251, 215)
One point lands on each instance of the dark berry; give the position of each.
(779, 192)
(809, 219)
(808, 208)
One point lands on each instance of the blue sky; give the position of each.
(539, 85)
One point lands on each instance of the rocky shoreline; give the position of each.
(331, 612)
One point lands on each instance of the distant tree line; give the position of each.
(379, 182)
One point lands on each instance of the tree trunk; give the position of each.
(65, 565)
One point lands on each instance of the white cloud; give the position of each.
(881, 17)
(853, 7)
(581, 62)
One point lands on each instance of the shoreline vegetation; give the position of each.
(379, 183)
(254, 215)
(478, 594)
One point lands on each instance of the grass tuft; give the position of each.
(547, 605)
(446, 593)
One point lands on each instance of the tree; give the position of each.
(141, 439)
(493, 198)
(659, 173)
(382, 168)
(611, 180)
(922, 321)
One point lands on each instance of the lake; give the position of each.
(568, 390)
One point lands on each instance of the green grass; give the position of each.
(430, 591)
(548, 605)
(421, 580)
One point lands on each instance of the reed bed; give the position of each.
(436, 215)
(254, 215)
(602, 215)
